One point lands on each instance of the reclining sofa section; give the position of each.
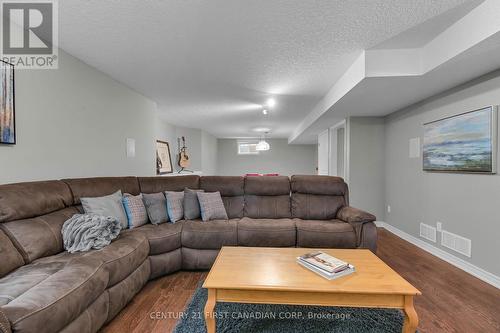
(80, 292)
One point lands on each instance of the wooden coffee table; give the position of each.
(271, 276)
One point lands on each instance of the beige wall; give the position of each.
(366, 164)
(74, 122)
(282, 158)
(466, 204)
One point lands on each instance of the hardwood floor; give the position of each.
(451, 301)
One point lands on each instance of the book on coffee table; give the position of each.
(324, 261)
(327, 275)
(325, 265)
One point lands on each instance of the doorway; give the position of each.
(338, 150)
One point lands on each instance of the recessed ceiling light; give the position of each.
(264, 112)
(262, 129)
(271, 102)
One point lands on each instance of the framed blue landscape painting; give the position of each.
(463, 143)
(7, 113)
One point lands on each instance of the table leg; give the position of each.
(411, 318)
(209, 311)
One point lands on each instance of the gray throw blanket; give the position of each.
(88, 231)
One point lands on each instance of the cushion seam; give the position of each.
(330, 232)
(128, 254)
(266, 230)
(210, 232)
(162, 237)
(4, 317)
(17, 245)
(61, 297)
(48, 226)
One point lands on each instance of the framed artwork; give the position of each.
(463, 143)
(163, 158)
(7, 105)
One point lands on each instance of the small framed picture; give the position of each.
(7, 105)
(163, 158)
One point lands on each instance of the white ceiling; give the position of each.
(382, 81)
(209, 64)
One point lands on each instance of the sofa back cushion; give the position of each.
(231, 189)
(38, 236)
(101, 186)
(267, 197)
(26, 200)
(11, 258)
(163, 184)
(318, 197)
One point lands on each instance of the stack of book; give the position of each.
(325, 265)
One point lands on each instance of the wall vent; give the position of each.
(427, 232)
(456, 243)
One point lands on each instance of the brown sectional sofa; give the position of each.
(81, 292)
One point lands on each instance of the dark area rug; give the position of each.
(264, 318)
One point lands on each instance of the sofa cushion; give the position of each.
(40, 236)
(175, 205)
(211, 206)
(316, 207)
(122, 293)
(191, 204)
(267, 197)
(321, 185)
(325, 234)
(135, 210)
(47, 296)
(162, 238)
(109, 205)
(120, 258)
(174, 183)
(11, 258)
(277, 185)
(92, 319)
(101, 186)
(209, 235)
(165, 263)
(156, 207)
(196, 259)
(266, 232)
(231, 189)
(270, 207)
(27, 200)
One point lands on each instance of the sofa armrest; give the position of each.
(4, 323)
(354, 215)
(362, 222)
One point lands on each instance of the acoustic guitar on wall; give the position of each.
(183, 161)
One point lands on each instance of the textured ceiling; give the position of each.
(209, 64)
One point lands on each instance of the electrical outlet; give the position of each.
(439, 226)
(388, 208)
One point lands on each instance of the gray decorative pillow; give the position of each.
(109, 205)
(175, 205)
(191, 204)
(156, 206)
(211, 206)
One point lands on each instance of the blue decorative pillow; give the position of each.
(135, 209)
(175, 205)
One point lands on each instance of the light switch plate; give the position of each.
(414, 146)
(130, 148)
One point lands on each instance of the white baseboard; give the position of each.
(480, 273)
